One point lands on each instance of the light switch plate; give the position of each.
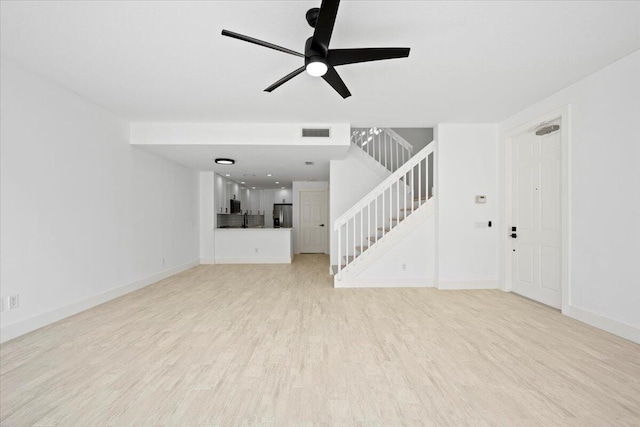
(481, 199)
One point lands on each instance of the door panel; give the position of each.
(313, 222)
(550, 195)
(537, 215)
(525, 264)
(550, 268)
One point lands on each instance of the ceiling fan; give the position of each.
(319, 60)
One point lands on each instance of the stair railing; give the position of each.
(384, 145)
(380, 211)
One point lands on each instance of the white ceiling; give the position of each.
(284, 162)
(166, 61)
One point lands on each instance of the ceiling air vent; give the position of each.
(315, 133)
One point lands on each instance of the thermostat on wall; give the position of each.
(481, 199)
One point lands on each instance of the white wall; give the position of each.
(350, 180)
(236, 133)
(207, 217)
(416, 252)
(297, 187)
(85, 217)
(417, 137)
(466, 167)
(254, 246)
(605, 193)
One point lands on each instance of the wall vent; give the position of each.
(316, 133)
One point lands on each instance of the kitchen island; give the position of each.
(253, 245)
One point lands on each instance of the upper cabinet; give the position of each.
(283, 196)
(250, 200)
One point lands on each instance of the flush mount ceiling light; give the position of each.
(269, 174)
(222, 161)
(316, 67)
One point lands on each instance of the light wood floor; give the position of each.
(277, 345)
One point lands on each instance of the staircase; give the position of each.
(383, 145)
(391, 210)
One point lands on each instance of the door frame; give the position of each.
(564, 114)
(326, 216)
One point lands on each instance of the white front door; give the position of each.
(313, 222)
(537, 217)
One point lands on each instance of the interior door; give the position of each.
(313, 222)
(537, 217)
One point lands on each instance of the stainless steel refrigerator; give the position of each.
(282, 215)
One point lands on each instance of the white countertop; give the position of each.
(252, 229)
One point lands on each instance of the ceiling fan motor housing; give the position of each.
(314, 50)
(312, 16)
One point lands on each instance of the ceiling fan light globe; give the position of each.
(317, 68)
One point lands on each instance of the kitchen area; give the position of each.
(252, 225)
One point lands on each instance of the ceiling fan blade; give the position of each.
(260, 42)
(324, 25)
(284, 79)
(336, 82)
(352, 56)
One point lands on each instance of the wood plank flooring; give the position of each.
(278, 345)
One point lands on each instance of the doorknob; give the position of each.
(321, 225)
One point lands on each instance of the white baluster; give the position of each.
(375, 229)
(404, 193)
(398, 200)
(413, 186)
(346, 245)
(419, 182)
(390, 204)
(354, 238)
(339, 252)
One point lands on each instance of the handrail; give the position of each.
(400, 139)
(384, 185)
(384, 145)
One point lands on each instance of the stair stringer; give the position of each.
(368, 161)
(349, 275)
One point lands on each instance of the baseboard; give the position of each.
(473, 284)
(253, 260)
(383, 283)
(22, 327)
(615, 327)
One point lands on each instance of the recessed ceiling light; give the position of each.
(226, 174)
(241, 182)
(269, 174)
(277, 182)
(222, 161)
(253, 188)
(283, 188)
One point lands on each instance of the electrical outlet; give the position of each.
(13, 301)
(404, 267)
